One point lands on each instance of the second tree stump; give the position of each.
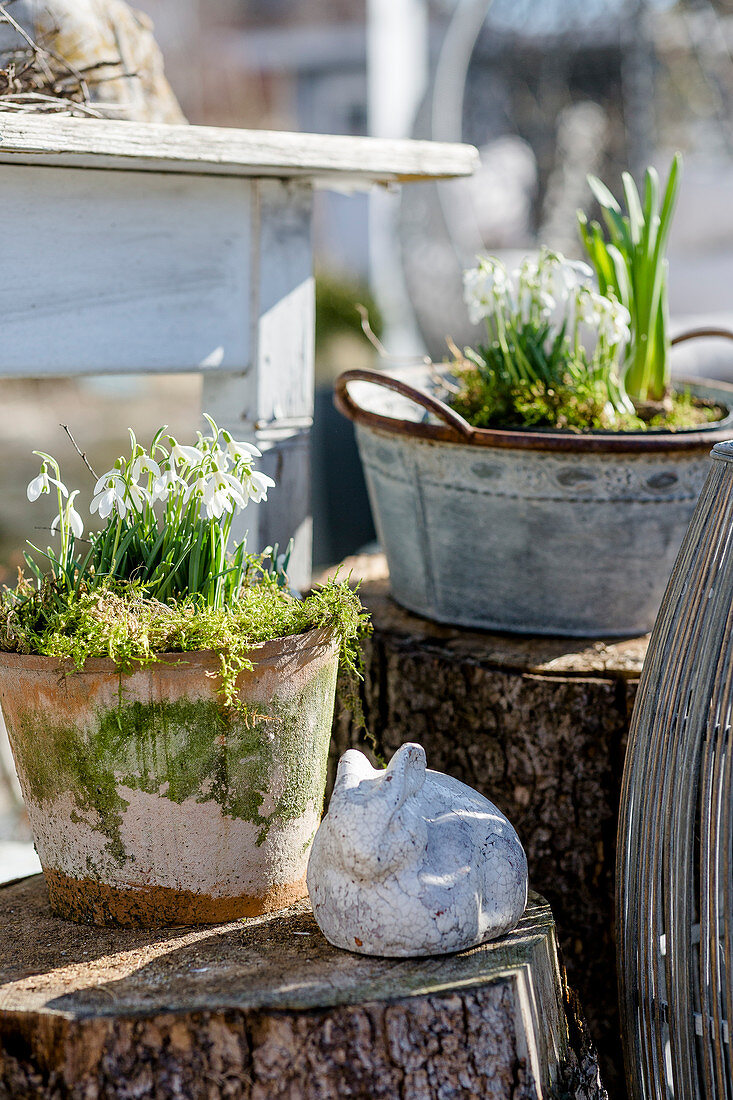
(539, 726)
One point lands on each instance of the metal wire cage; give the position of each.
(675, 856)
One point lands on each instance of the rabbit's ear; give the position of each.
(407, 769)
(353, 768)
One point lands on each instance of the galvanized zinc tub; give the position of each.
(152, 805)
(537, 532)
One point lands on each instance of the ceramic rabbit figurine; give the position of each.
(409, 861)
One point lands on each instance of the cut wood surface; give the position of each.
(267, 1008)
(539, 726)
(328, 158)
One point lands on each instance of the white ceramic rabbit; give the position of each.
(409, 861)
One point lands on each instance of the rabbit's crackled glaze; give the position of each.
(409, 861)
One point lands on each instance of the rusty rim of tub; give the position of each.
(454, 429)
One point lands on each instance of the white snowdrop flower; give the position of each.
(237, 491)
(583, 272)
(220, 503)
(621, 318)
(137, 495)
(42, 483)
(219, 493)
(164, 483)
(547, 304)
(240, 450)
(106, 480)
(215, 500)
(71, 516)
(483, 286)
(568, 276)
(220, 460)
(619, 334)
(198, 487)
(259, 485)
(477, 312)
(76, 523)
(144, 465)
(615, 321)
(589, 306)
(183, 455)
(37, 486)
(113, 492)
(106, 500)
(530, 270)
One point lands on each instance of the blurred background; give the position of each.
(549, 90)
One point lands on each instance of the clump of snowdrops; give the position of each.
(167, 514)
(554, 351)
(162, 573)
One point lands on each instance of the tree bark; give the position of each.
(538, 725)
(266, 1008)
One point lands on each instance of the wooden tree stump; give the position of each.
(538, 725)
(267, 1008)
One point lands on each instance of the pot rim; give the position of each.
(454, 429)
(272, 651)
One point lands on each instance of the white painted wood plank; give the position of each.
(283, 274)
(273, 394)
(117, 271)
(287, 513)
(73, 142)
(272, 403)
(285, 353)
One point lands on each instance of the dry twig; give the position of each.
(82, 454)
(35, 77)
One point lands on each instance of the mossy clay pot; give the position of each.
(151, 803)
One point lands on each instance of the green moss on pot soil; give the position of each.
(486, 401)
(119, 622)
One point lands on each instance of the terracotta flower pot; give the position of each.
(150, 804)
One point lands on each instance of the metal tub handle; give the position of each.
(702, 333)
(345, 403)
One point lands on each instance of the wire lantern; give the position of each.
(675, 855)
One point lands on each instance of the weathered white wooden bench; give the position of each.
(139, 247)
